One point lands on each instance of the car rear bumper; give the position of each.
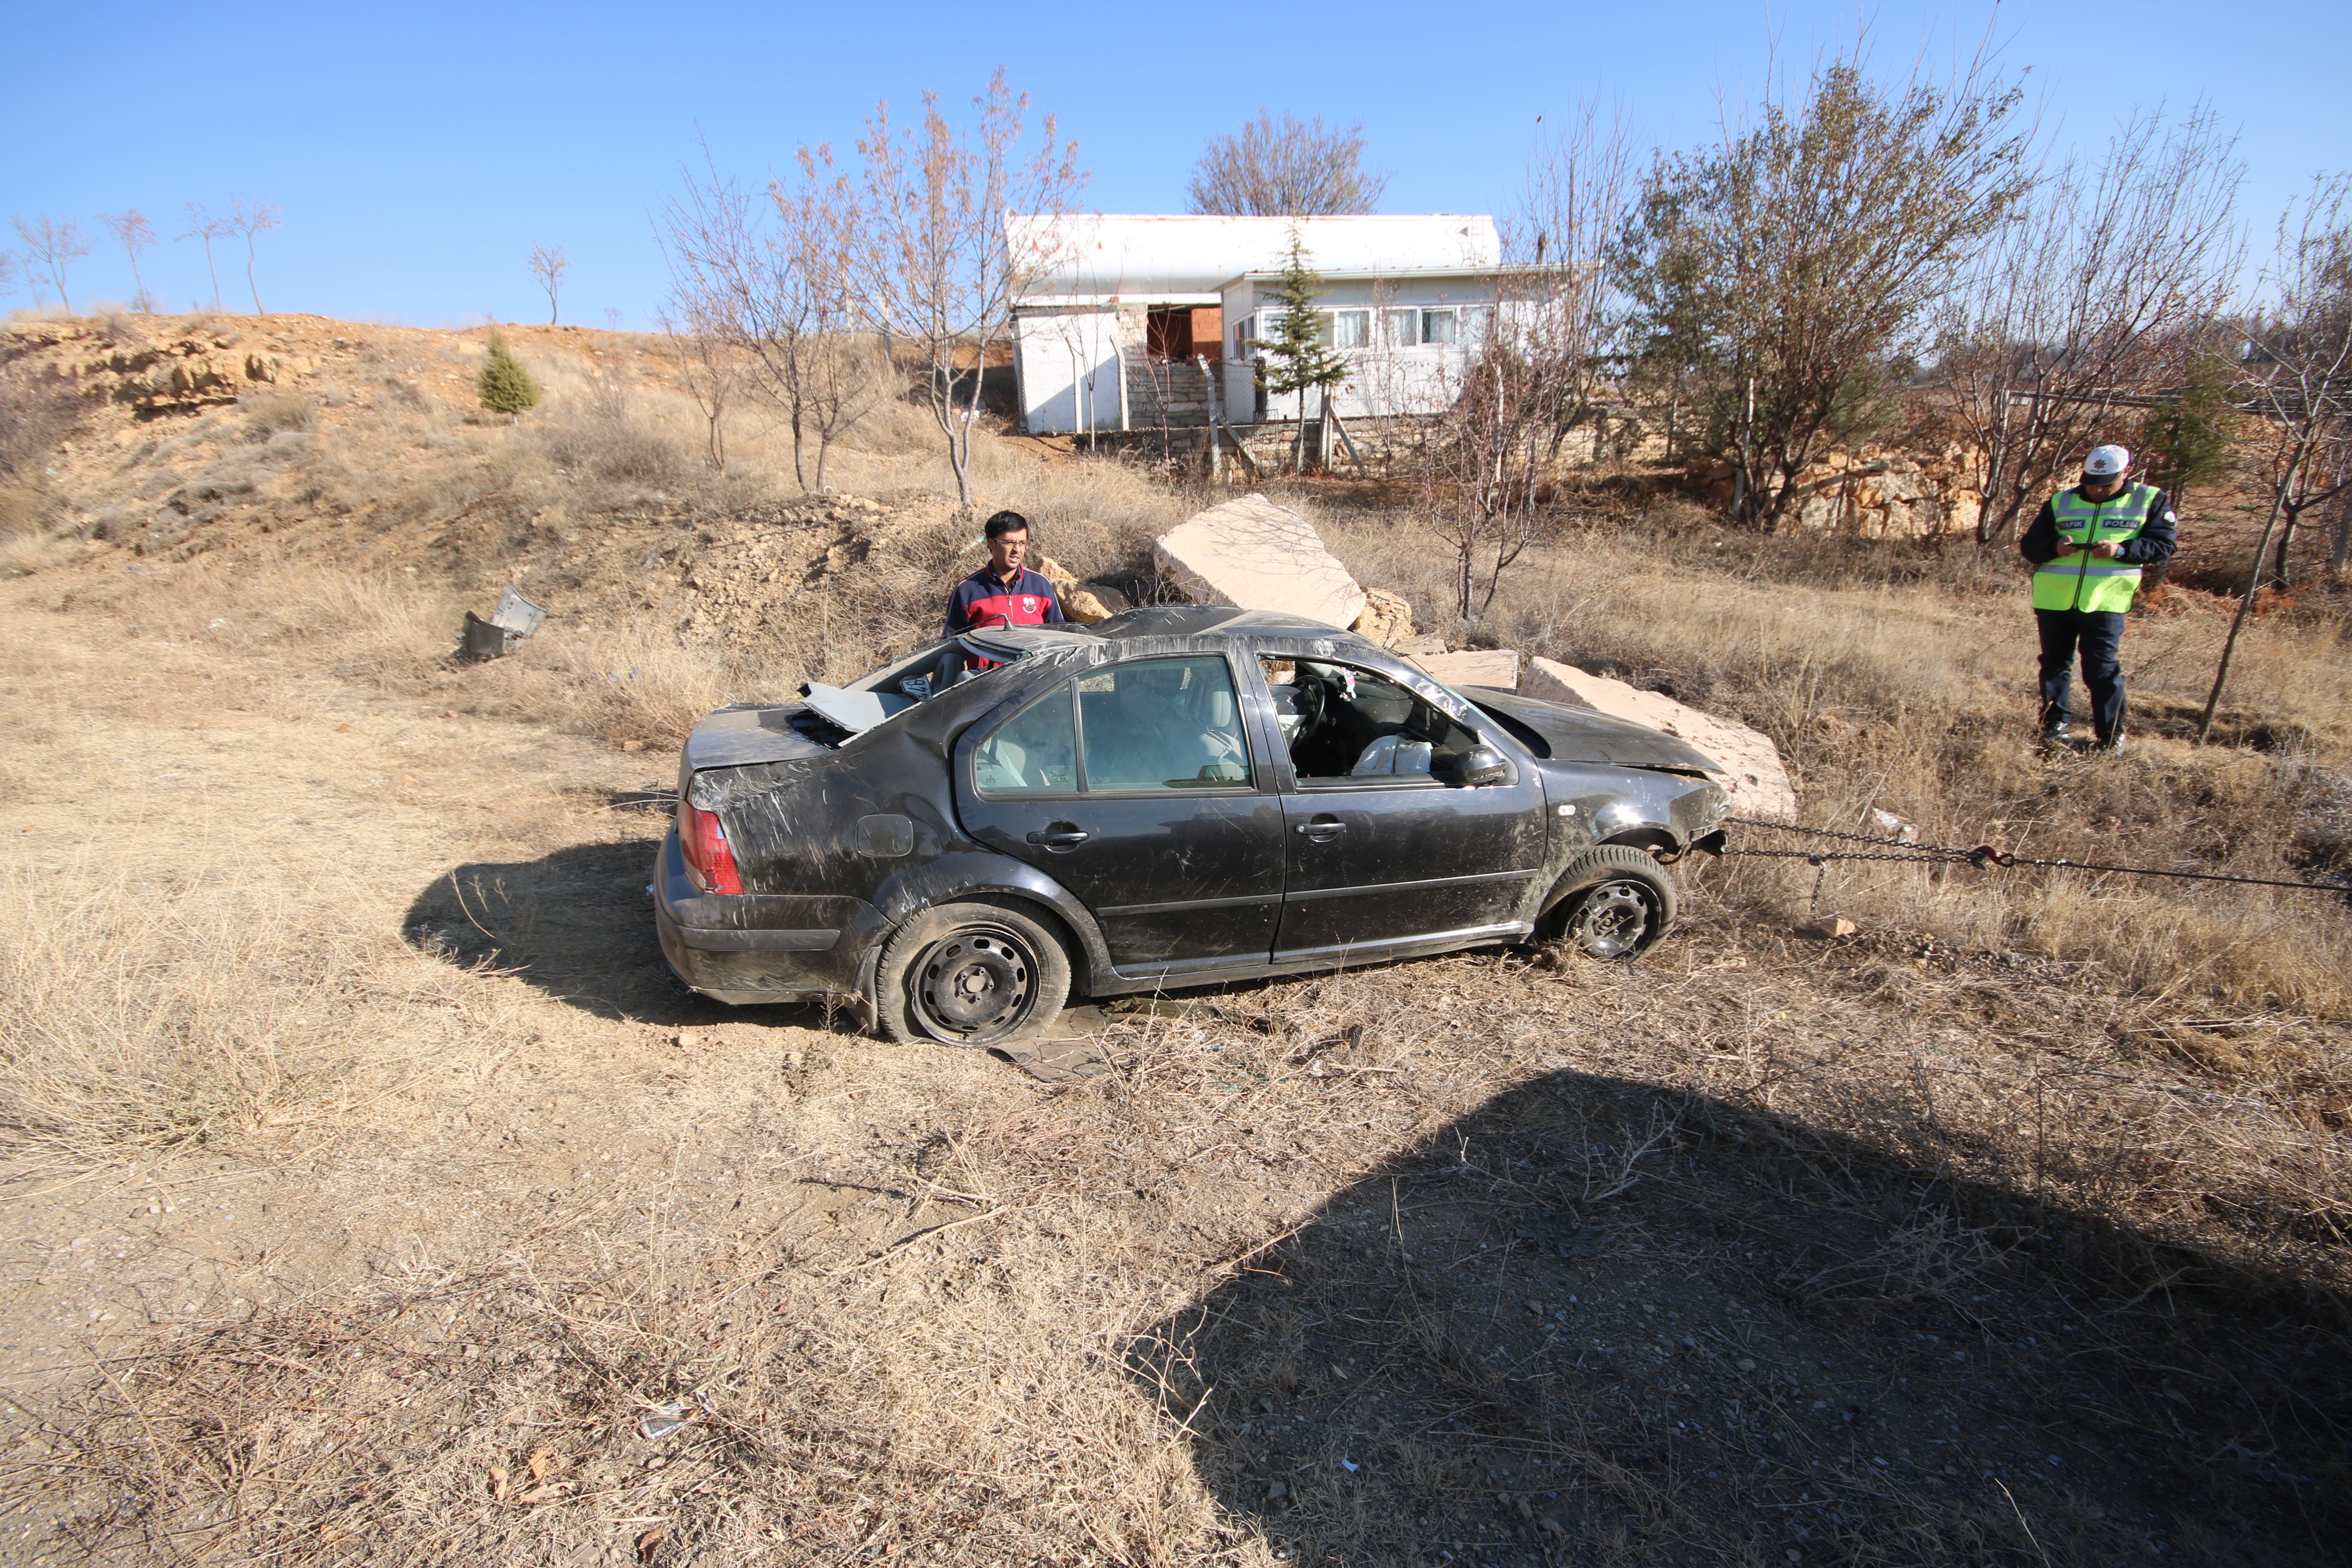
(757, 947)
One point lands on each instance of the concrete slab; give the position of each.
(1754, 775)
(1497, 667)
(1255, 555)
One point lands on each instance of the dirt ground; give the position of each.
(1760, 1251)
(373, 1194)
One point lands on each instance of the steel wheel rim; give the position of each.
(974, 985)
(1613, 918)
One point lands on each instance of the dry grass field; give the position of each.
(376, 1196)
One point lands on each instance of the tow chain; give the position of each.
(1981, 857)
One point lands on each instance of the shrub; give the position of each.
(504, 386)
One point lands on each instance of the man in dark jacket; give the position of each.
(2087, 546)
(1004, 592)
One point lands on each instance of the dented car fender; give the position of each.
(984, 873)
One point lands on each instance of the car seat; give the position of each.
(1395, 753)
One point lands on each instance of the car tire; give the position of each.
(1613, 902)
(971, 974)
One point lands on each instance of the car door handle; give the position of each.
(1322, 830)
(1061, 838)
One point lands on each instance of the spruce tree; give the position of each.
(2188, 442)
(504, 386)
(1297, 356)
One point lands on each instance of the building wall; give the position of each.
(1068, 366)
(1389, 378)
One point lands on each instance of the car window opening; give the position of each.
(1341, 722)
(1148, 725)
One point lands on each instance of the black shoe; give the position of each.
(2053, 735)
(2113, 747)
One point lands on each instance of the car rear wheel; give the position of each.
(1614, 902)
(971, 974)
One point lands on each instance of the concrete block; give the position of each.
(1255, 555)
(1753, 773)
(1496, 667)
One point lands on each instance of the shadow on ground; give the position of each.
(579, 925)
(1597, 1323)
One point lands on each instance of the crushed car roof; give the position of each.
(1203, 620)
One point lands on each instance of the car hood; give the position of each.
(1580, 734)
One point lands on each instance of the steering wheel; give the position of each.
(1315, 704)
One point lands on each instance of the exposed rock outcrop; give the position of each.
(1876, 493)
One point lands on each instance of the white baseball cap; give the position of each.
(2107, 463)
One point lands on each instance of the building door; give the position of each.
(1168, 333)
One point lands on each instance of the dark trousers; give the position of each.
(2100, 636)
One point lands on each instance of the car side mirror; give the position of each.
(1481, 764)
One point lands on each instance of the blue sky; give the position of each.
(419, 151)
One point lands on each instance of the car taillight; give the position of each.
(709, 863)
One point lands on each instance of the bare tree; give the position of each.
(1480, 470)
(52, 243)
(547, 266)
(1792, 261)
(1556, 310)
(203, 225)
(839, 372)
(770, 281)
(2299, 360)
(250, 219)
(134, 234)
(711, 368)
(2106, 281)
(937, 269)
(1286, 168)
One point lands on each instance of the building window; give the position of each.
(1477, 324)
(1351, 329)
(1243, 329)
(1437, 326)
(1400, 328)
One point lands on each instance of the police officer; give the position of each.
(2087, 545)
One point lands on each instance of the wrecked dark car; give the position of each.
(1176, 797)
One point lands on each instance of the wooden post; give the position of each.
(1353, 456)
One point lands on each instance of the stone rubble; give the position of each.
(1387, 618)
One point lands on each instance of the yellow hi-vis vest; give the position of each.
(2082, 581)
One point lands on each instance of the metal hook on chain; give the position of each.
(1820, 873)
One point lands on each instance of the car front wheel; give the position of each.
(1614, 902)
(971, 974)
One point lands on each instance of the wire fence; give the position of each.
(1982, 856)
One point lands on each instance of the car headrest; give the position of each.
(1221, 709)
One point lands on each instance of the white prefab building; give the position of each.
(1136, 322)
